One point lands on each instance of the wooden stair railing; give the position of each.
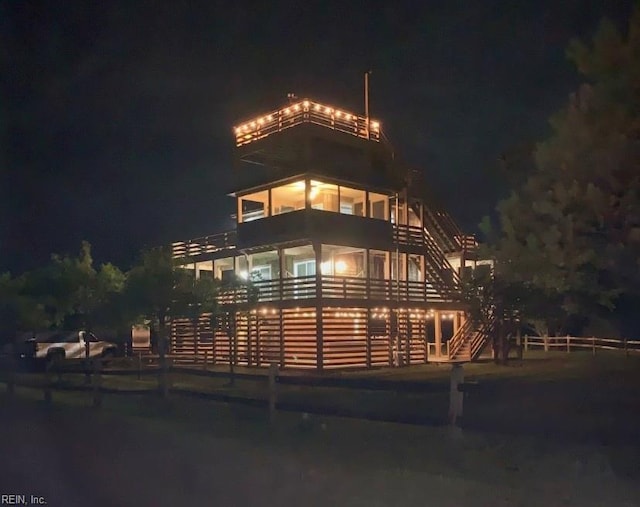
(481, 336)
(458, 340)
(471, 337)
(438, 266)
(444, 229)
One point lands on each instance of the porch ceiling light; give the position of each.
(341, 266)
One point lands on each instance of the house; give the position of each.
(349, 265)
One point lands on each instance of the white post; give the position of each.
(437, 328)
(455, 395)
(568, 344)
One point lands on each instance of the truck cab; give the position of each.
(58, 345)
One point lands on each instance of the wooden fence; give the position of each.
(90, 379)
(575, 343)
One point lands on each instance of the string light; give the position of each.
(328, 112)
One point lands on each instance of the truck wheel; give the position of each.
(108, 355)
(54, 358)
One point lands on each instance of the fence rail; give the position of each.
(569, 343)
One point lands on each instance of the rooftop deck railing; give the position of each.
(306, 111)
(204, 245)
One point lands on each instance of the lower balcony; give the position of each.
(336, 287)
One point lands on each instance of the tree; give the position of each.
(197, 296)
(19, 311)
(150, 288)
(571, 232)
(237, 294)
(159, 289)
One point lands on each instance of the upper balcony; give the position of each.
(223, 243)
(306, 111)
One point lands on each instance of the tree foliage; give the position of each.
(571, 233)
(66, 292)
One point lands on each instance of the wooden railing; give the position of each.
(204, 245)
(480, 337)
(462, 336)
(442, 274)
(441, 224)
(306, 111)
(573, 343)
(334, 287)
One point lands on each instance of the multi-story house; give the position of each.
(349, 266)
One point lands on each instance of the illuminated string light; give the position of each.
(243, 132)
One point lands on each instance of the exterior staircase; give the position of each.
(467, 343)
(444, 278)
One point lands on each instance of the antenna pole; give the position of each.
(366, 99)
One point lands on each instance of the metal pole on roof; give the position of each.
(366, 99)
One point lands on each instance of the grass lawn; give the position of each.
(140, 450)
(559, 430)
(562, 396)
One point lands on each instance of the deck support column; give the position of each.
(437, 324)
(456, 322)
(368, 338)
(281, 267)
(317, 249)
(282, 337)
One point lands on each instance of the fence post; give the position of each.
(455, 395)
(626, 348)
(48, 396)
(11, 380)
(568, 346)
(97, 382)
(273, 372)
(545, 339)
(206, 359)
(526, 343)
(139, 364)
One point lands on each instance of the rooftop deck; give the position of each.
(306, 111)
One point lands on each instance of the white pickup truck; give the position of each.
(57, 345)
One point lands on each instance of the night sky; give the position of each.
(116, 117)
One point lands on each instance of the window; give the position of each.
(323, 196)
(352, 201)
(378, 203)
(253, 206)
(288, 198)
(377, 264)
(415, 271)
(261, 273)
(346, 207)
(304, 268)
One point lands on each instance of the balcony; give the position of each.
(205, 245)
(336, 288)
(321, 226)
(306, 111)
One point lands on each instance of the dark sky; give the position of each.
(116, 117)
